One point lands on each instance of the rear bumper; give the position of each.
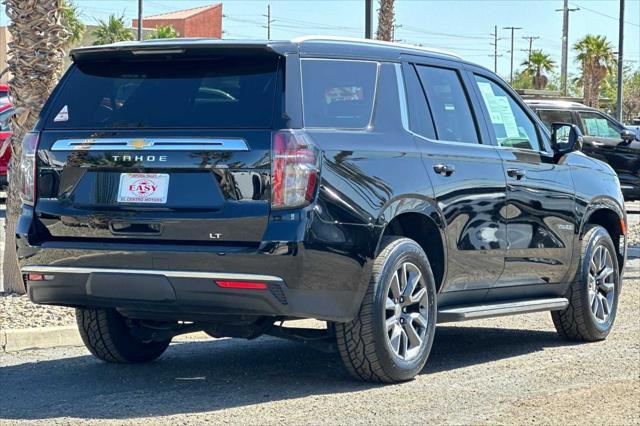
(324, 279)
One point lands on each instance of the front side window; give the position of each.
(550, 116)
(512, 126)
(338, 94)
(597, 125)
(449, 105)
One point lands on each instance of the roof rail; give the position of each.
(303, 39)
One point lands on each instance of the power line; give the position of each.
(579, 6)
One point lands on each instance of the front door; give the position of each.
(466, 175)
(540, 194)
(602, 141)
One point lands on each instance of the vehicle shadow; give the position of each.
(213, 375)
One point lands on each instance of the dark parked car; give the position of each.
(379, 187)
(604, 138)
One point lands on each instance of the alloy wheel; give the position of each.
(406, 311)
(601, 283)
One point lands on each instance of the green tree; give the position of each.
(596, 59)
(538, 62)
(112, 30)
(71, 21)
(163, 31)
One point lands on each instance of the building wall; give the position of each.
(207, 24)
(204, 24)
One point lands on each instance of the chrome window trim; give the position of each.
(151, 144)
(166, 273)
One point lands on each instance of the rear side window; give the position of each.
(338, 93)
(420, 120)
(449, 104)
(550, 116)
(218, 92)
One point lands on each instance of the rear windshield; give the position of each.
(338, 93)
(221, 92)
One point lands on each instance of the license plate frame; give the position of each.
(143, 188)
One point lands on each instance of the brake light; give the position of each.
(27, 172)
(295, 167)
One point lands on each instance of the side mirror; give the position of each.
(627, 136)
(565, 138)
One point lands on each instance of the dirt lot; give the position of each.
(512, 370)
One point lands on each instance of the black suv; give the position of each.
(604, 138)
(228, 186)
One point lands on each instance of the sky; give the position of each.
(462, 27)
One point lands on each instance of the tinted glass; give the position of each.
(420, 120)
(597, 125)
(222, 92)
(449, 105)
(338, 94)
(549, 117)
(512, 126)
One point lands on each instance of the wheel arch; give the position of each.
(418, 217)
(610, 215)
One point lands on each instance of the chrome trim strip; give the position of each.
(402, 94)
(172, 274)
(151, 144)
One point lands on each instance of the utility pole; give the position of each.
(394, 27)
(531, 39)
(495, 48)
(513, 29)
(565, 44)
(269, 21)
(139, 20)
(368, 17)
(620, 62)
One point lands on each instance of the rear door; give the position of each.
(540, 209)
(465, 171)
(172, 149)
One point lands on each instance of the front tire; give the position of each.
(593, 296)
(391, 337)
(108, 337)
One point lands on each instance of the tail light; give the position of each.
(295, 167)
(27, 172)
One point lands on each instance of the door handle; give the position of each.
(444, 169)
(516, 173)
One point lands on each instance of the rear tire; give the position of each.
(391, 337)
(108, 337)
(592, 309)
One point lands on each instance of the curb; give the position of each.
(51, 337)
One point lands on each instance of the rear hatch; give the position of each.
(169, 147)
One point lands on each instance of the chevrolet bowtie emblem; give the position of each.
(139, 143)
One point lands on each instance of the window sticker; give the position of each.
(499, 110)
(63, 115)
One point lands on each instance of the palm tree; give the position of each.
(596, 59)
(71, 21)
(386, 20)
(163, 31)
(535, 65)
(112, 30)
(35, 61)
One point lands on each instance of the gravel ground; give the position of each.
(18, 312)
(510, 370)
(634, 235)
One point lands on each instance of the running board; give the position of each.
(471, 312)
